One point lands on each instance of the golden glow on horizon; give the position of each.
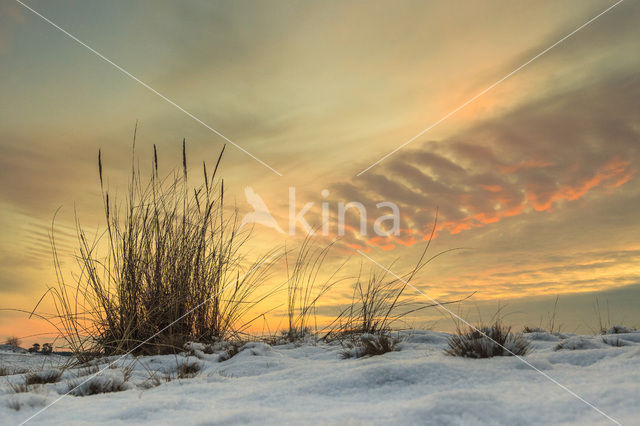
(538, 176)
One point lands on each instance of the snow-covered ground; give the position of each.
(311, 384)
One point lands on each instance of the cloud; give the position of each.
(535, 158)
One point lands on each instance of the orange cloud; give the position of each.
(613, 174)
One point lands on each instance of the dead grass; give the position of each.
(381, 300)
(43, 377)
(88, 370)
(96, 385)
(188, 369)
(367, 345)
(305, 287)
(616, 342)
(619, 329)
(6, 371)
(487, 342)
(19, 387)
(155, 380)
(166, 250)
(13, 404)
(233, 349)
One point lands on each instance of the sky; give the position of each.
(535, 181)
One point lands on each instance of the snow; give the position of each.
(310, 383)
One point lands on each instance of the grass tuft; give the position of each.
(618, 329)
(6, 371)
(487, 342)
(167, 248)
(19, 387)
(367, 345)
(617, 342)
(101, 383)
(232, 349)
(188, 370)
(43, 377)
(13, 404)
(88, 370)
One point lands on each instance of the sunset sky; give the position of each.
(537, 178)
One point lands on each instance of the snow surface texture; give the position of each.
(310, 384)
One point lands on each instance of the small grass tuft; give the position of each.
(617, 342)
(13, 404)
(618, 329)
(233, 349)
(528, 329)
(6, 371)
(19, 387)
(367, 345)
(42, 377)
(102, 383)
(188, 370)
(576, 343)
(487, 342)
(88, 370)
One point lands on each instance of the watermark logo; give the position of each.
(260, 213)
(385, 225)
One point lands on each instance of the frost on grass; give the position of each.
(368, 345)
(188, 369)
(105, 382)
(620, 329)
(544, 336)
(220, 351)
(10, 371)
(27, 400)
(528, 329)
(577, 343)
(255, 349)
(274, 385)
(617, 342)
(43, 377)
(487, 342)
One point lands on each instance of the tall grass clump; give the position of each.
(168, 265)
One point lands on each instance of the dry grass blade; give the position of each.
(43, 377)
(164, 252)
(380, 300)
(366, 345)
(487, 342)
(305, 287)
